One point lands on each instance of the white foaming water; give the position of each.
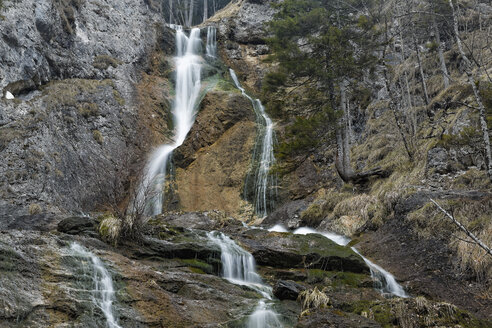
(238, 266)
(263, 316)
(340, 240)
(103, 284)
(278, 228)
(386, 282)
(188, 85)
(211, 42)
(265, 184)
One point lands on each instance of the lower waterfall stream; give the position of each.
(238, 267)
(103, 290)
(385, 282)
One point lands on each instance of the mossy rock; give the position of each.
(311, 251)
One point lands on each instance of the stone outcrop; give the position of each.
(284, 250)
(214, 160)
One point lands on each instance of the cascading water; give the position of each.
(265, 183)
(238, 266)
(385, 281)
(188, 85)
(103, 292)
(211, 42)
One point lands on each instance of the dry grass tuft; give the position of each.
(429, 221)
(110, 229)
(313, 299)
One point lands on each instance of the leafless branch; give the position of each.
(462, 227)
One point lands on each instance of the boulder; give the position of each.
(76, 225)
(313, 251)
(438, 159)
(288, 214)
(287, 290)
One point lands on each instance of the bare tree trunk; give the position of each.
(170, 11)
(440, 49)
(205, 10)
(190, 15)
(478, 98)
(345, 126)
(392, 97)
(421, 69)
(342, 160)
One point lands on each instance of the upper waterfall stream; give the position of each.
(211, 42)
(188, 84)
(265, 189)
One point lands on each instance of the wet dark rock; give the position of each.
(287, 290)
(76, 225)
(289, 214)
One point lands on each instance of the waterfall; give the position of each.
(385, 281)
(238, 267)
(278, 228)
(211, 42)
(263, 317)
(103, 292)
(265, 183)
(188, 84)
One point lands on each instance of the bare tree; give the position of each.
(205, 10)
(440, 47)
(471, 80)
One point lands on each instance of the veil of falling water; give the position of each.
(188, 70)
(265, 184)
(238, 266)
(211, 42)
(103, 292)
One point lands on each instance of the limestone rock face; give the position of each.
(72, 66)
(241, 34)
(213, 161)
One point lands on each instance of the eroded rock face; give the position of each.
(215, 158)
(242, 34)
(43, 285)
(72, 66)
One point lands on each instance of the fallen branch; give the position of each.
(462, 227)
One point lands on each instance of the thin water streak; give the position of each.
(265, 183)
